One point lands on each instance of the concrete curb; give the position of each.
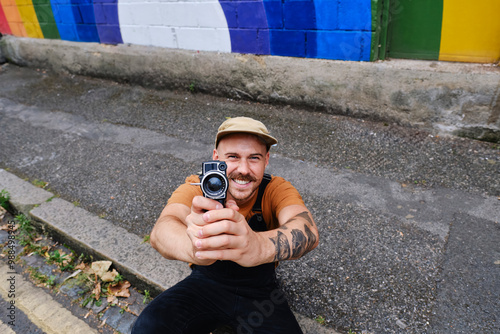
(39, 306)
(86, 233)
(443, 98)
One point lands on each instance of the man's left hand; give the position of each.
(227, 236)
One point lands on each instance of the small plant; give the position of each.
(119, 278)
(64, 261)
(4, 199)
(146, 239)
(56, 257)
(51, 198)
(40, 184)
(35, 274)
(25, 230)
(51, 281)
(320, 320)
(192, 87)
(147, 297)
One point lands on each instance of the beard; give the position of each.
(242, 196)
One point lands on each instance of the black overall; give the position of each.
(247, 299)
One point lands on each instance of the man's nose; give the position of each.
(243, 167)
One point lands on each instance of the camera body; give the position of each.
(214, 181)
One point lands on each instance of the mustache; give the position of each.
(239, 176)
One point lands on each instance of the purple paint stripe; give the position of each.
(107, 22)
(248, 27)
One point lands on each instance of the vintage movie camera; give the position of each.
(214, 181)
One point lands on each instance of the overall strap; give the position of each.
(257, 207)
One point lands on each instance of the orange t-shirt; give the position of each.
(279, 194)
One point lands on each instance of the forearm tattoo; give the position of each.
(302, 241)
(282, 246)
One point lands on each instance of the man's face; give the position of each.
(246, 158)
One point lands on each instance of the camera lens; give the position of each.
(214, 185)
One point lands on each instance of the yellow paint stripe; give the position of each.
(470, 31)
(28, 15)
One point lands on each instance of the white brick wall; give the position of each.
(192, 24)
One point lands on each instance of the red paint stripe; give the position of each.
(4, 25)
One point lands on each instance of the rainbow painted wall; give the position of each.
(329, 29)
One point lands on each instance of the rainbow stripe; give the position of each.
(327, 29)
(332, 29)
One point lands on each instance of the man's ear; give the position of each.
(215, 154)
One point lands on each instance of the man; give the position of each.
(233, 249)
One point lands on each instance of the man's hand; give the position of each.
(195, 223)
(222, 234)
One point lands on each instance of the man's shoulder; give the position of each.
(277, 180)
(278, 184)
(195, 178)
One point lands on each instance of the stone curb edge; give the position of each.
(89, 234)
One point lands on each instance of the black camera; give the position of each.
(213, 180)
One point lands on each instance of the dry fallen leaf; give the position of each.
(81, 266)
(112, 300)
(109, 276)
(120, 289)
(101, 267)
(8, 227)
(97, 291)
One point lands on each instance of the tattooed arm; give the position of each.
(297, 234)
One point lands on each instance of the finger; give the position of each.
(224, 241)
(201, 204)
(220, 227)
(194, 221)
(218, 242)
(231, 204)
(222, 214)
(221, 254)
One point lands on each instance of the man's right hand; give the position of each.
(195, 222)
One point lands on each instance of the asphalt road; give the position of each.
(409, 222)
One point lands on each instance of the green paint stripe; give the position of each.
(46, 19)
(415, 29)
(379, 10)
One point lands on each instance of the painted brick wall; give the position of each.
(331, 29)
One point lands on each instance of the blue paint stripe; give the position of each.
(83, 13)
(65, 21)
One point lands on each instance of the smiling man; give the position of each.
(233, 249)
